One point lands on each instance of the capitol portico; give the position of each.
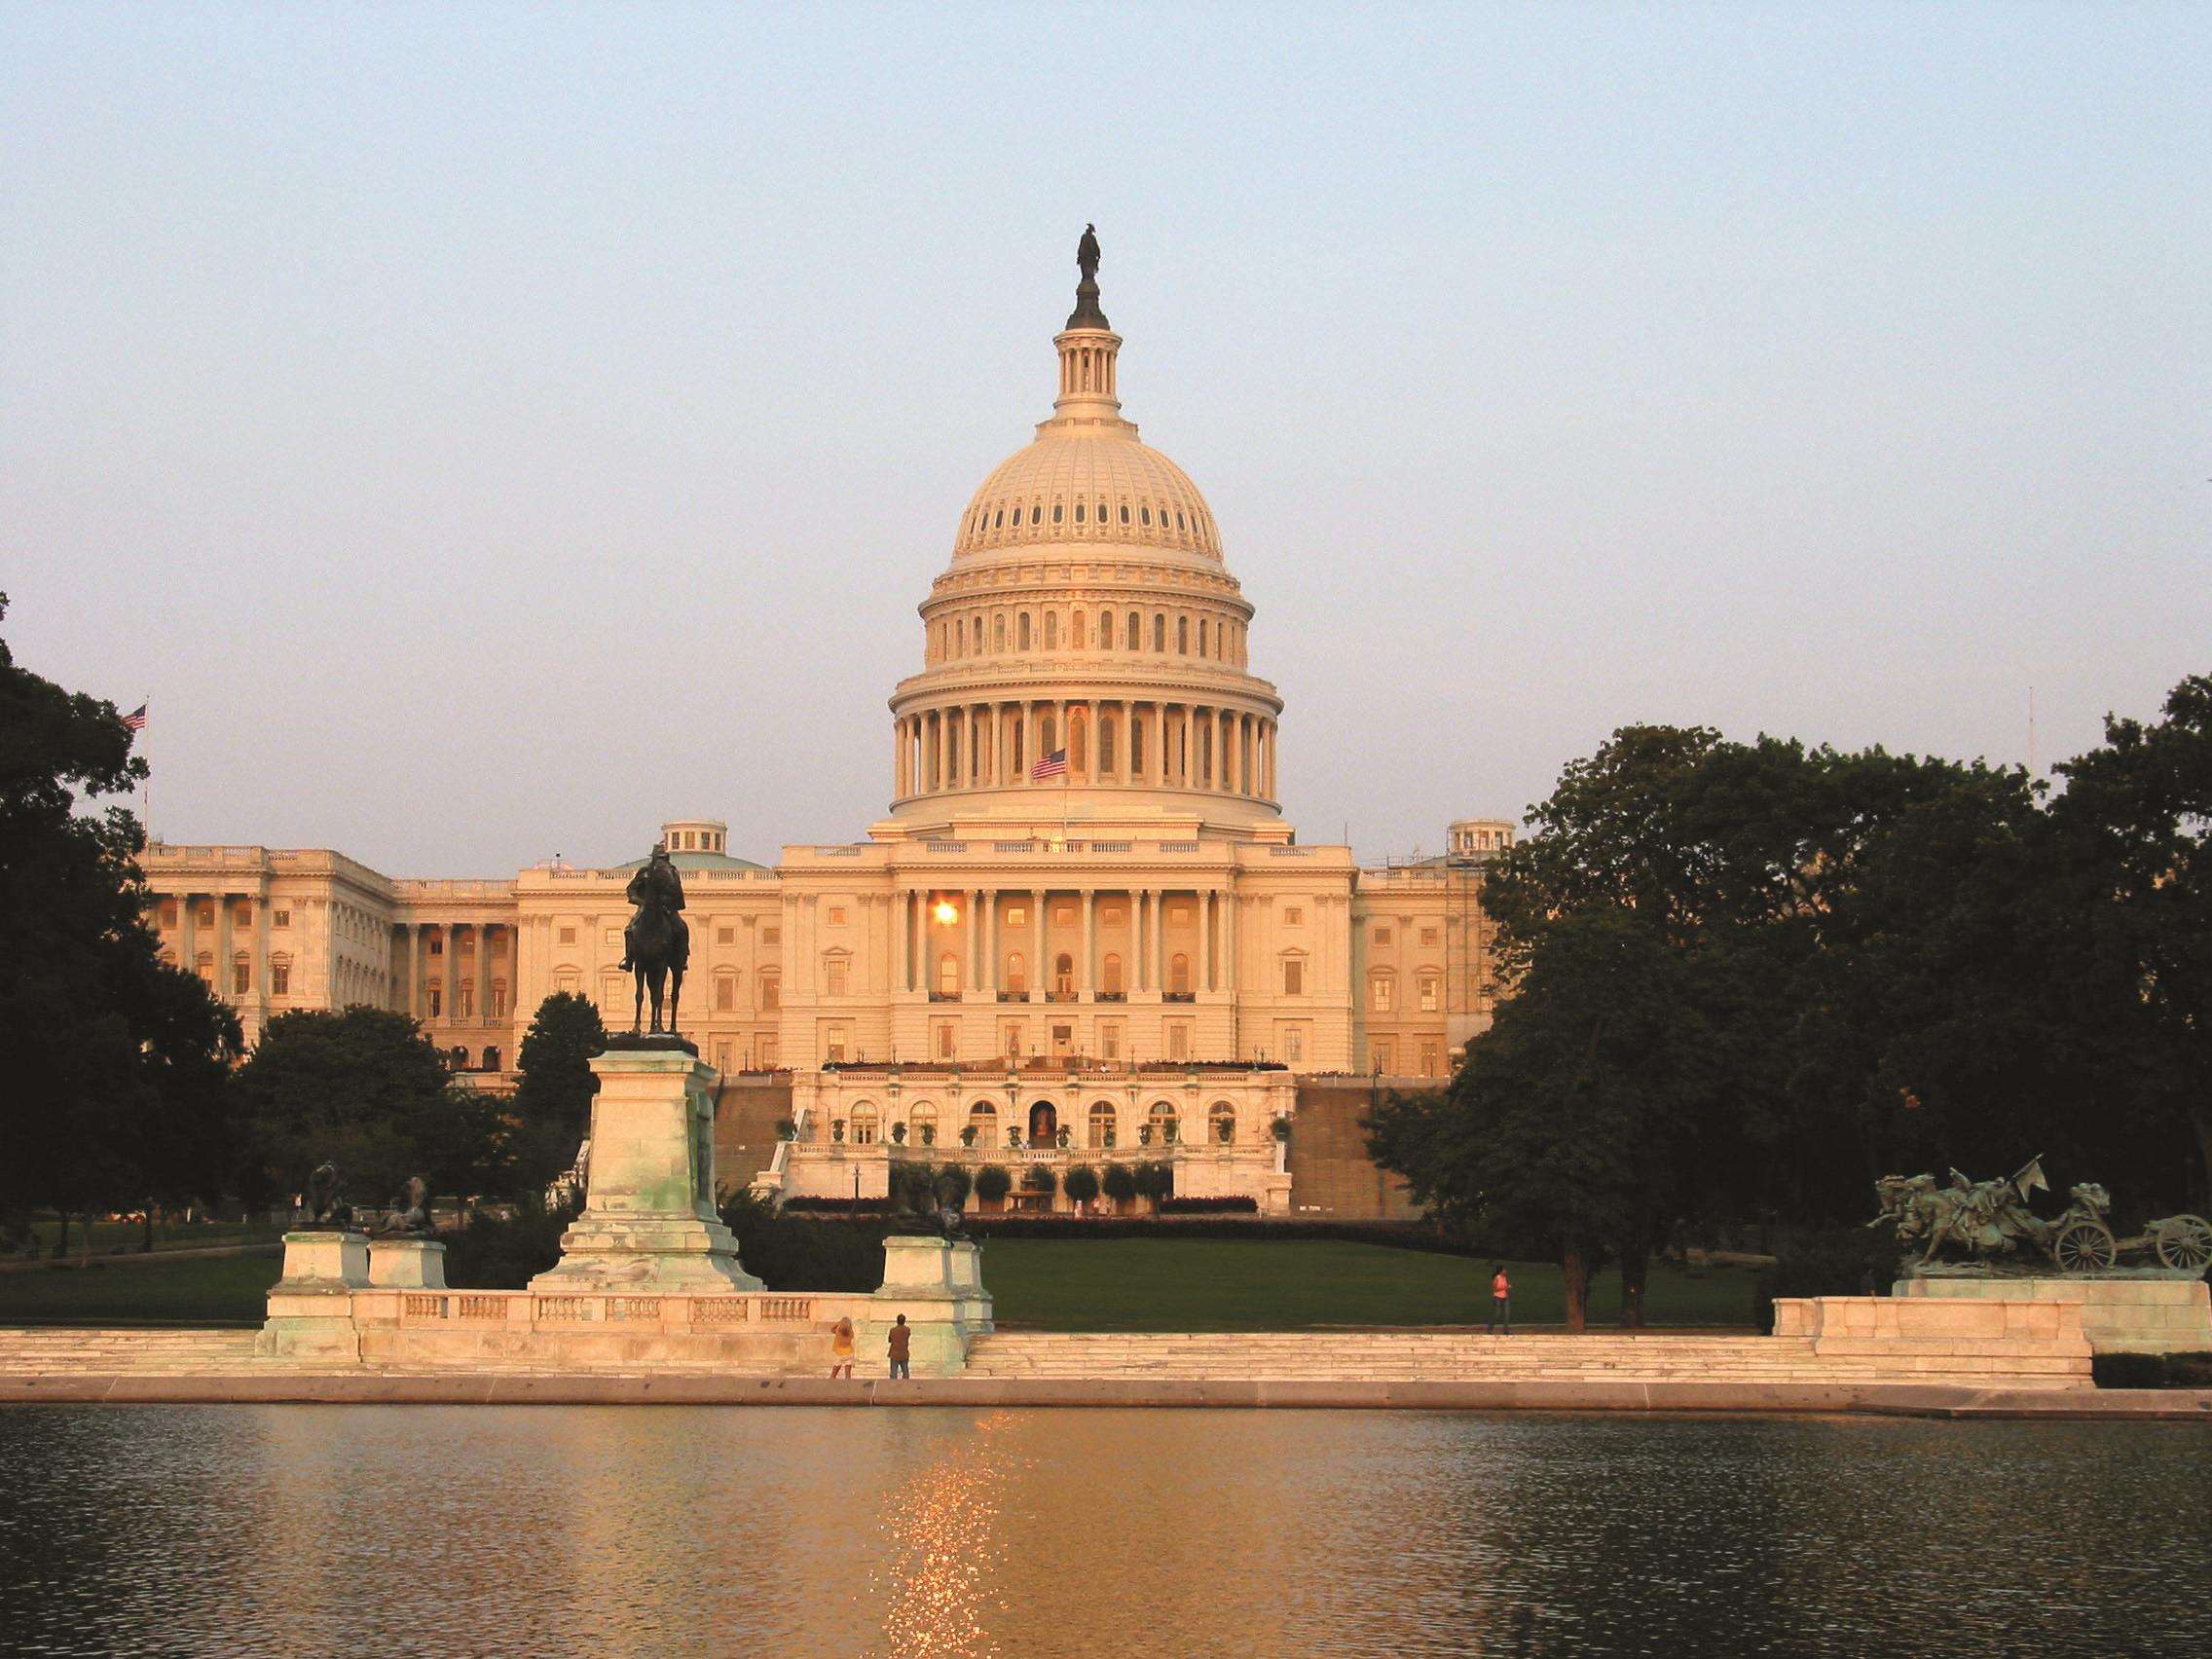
(1083, 930)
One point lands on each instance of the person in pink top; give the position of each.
(1501, 1299)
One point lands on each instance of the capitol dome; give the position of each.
(1086, 618)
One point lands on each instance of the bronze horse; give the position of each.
(661, 947)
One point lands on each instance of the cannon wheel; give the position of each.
(2184, 1241)
(2083, 1245)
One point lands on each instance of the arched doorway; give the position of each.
(1043, 1123)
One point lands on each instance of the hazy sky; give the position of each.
(485, 431)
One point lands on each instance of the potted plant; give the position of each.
(1013, 1137)
(1144, 1134)
(837, 1128)
(967, 1135)
(785, 1129)
(1281, 1128)
(1167, 1133)
(898, 1134)
(929, 1135)
(1225, 1130)
(1061, 1139)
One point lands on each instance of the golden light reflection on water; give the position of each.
(928, 1534)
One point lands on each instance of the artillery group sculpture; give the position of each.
(1987, 1227)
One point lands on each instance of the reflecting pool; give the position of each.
(662, 1530)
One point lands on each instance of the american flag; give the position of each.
(1053, 765)
(135, 720)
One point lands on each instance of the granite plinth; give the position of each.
(310, 1308)
(407, 1264)
(648, 1222)
(2124, 1313)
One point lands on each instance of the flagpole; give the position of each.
(146, 804)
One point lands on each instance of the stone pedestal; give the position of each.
(2145, 1312)
(407, 1264)
(311, 1308)
(648, 1222)
(938, 1286)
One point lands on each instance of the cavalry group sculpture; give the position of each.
(1989, 1225)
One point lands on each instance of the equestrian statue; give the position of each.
(657, 945)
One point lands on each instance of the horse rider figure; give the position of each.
(656, 943)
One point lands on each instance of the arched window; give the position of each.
(1105, 745)
(1079, 739)
(1016, 975)
(1132, 634)
(998, 633)
(976, 634)
(1159, 631)
(983, 1119)
(1079, 512)
(1145, 513)
(491, 1059)
(921, 1124)
(863, 1125)
(1183, 635)
(1221, 1124)
(948, 975)
(1055, 512)
(1125, 512)
(242, 973)
(1201, 635)
(1105, 630)
(726, 992)
(1036, 513)
(1110, 974)
(1075, 630)
(1101, 1124)
(1160, 1120)
(1051, 629)
(1021, 632)
(1179, 974)
(1064, 975)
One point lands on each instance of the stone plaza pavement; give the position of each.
(1401, 1369)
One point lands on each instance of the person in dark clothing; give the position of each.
(902, 1342)
(1501, 1297)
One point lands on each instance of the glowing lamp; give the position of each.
(947, 912)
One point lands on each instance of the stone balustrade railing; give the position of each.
(530, 1311)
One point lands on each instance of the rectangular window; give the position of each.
(837, 915)
(500, 999)
(1179, 912)
(1432, 1060)
(280, 918)
(1293, 917)
(435, 999)
(1382, 1058)
(1429, 935)
(833, 1052)
(771, 991)
(613, 935)
(721, 1056)
(167, 912)
(437, 945)
(279, 979)
(1013, 1039)
(1109, 1041)
(726, 992)
(1178, 1041)
(1428, 995)
(1293, 976)
(771, 936)
(1017, 915)
(207, 915)
(1381, 935)
(725, 936)
(1064, 914)
(833, 979)
(1294, 1045)
(242, 978)
(767, 1051)
(1378, 993)
(948, 1040)
(567, 936)
(465, 1000)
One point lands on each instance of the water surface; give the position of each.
(661, 1529)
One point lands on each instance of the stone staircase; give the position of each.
(1413, 1356)
(48, 1349)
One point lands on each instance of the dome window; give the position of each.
(1036, 514)
(1179, 524)
(1146, 514)
(1055, 512)
(1077, 512)
(998, 519)
(1125, 512)
(1101, 512)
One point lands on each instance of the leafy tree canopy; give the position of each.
(552, 1103)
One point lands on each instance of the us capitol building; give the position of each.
(1136, 960)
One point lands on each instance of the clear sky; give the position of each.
(485, 431)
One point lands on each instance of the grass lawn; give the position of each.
(1108, 1285)
(1230, 1285)
(111, 1238)
(192, 1290)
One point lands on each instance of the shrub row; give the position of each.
(2153, 1370)
(1238, 1206)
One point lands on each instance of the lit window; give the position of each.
(1017, 915)
(279, 977)
(1428, 993)
(1378, 993)
(834, 977)
(1294, 1045)
(241, 974)
(1179, 977)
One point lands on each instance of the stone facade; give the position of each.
(1084, 894)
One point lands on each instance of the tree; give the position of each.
(552, 1102)
(1156, 1180)
(992, 1184)
(114, 1060)
(953, 1186)
(1082, 1184)
(1119, 1183)
(364, 1090)
(1039, 1178)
